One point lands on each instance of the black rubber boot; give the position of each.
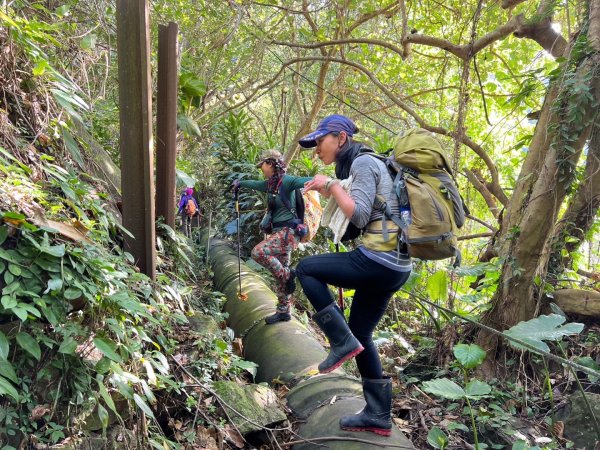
(376, 416)
(342, 343)
(282, 314)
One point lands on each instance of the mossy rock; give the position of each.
(256, 403)
(579, 426)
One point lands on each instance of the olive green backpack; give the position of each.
(423, 181)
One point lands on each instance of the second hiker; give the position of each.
(274, 252)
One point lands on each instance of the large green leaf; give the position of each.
(143, 405)
(6, 388)
(540, 329)
(108, 348)
(437, 438)
(188, 125)
(476, 389)
(443, 387)
(27, 343)
(4, 346)
(437, 286)
(469, 355)
(8, 371)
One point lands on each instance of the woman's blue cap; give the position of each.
(330, 124)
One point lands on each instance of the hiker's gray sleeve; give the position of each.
(365, 176)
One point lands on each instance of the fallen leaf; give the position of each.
(38, 412)
(234, 436)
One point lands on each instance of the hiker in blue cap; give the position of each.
(375, 270)
(274, 252)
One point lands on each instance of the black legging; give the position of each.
(374, 285)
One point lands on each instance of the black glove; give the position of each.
(235, 186)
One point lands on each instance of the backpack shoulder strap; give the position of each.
(285, 199)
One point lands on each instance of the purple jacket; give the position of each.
(183, 202)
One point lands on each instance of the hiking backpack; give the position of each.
(307, 211)
(423, 182)
(190, 207)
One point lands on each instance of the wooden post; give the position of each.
(135, 114)
(166, 123)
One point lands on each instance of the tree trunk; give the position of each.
(546, 176)
(580, 214)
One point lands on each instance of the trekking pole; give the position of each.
(242, 297)
(340, 289)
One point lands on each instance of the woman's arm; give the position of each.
(292, 183)
(332, 187)
(257, 185)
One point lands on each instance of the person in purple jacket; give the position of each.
(188, 208)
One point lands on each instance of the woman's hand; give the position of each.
(317, 183)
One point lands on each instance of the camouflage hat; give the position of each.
(269, 154)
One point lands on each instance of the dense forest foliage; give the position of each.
(486, 355)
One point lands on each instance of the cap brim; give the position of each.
(260, 163)
(310, 140)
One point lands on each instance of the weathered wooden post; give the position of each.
(135, 114)
(166, 123)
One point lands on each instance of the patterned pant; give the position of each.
(275, 253)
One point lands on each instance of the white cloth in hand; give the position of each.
(333, 217)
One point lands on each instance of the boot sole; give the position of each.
(379, 431)
(343, 360)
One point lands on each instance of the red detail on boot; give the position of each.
(344, 359)
(379, 431)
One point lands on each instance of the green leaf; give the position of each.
(89, 41)
(589, 362)
(457, 426)
(3, 234)
(11, 288)
(14, 269)
(27, 343)
(469, 355)
(8, 256)
(21, 313)
(54, 284)
(249, 366)
(62, 10)
(520, 445)
(183, 179)
(4, 346)
(6, 388)
(542, 328)
(54, 250)
(40, 68)
(72, 146)
(8, 371)
(108, 348)
(437, 438)
(188, 126)
(477, 389)
(443, 387)
(8, 301)
(437, 286)
(103, 416)
(143, 405)
(8, 278)
(72, 293)
(106, 396)
(68, 346)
